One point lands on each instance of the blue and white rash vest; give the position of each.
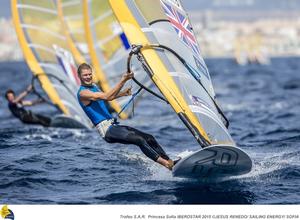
(96, 110)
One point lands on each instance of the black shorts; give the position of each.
(31, 118)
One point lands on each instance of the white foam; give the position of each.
(160, 173)
(133, 156)
(185, 153)
(278, 105)
(235, 107)
(38, 136)
(78, 133)
(268, 165)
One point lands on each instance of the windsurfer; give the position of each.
(16, 105)
(91, 99)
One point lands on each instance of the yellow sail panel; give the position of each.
(106, 27)
(40, 35)
(70, 15)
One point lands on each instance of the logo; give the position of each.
(197, 101)
(182, 27)
(7, 213)
(201, 67)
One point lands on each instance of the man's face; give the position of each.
(86, 76)
(10, 97)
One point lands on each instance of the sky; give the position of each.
(242, 4)
(209, 4)
(5, 8)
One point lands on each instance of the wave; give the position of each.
(30, 182)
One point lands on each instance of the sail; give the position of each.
(174, 57)
(109, 49)
(70, 15)
(71, 18)
(40, 36)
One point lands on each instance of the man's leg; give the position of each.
(153, 144)
(43, 120)
(129, 135)
(32, 118)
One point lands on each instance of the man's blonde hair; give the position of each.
(83, 66)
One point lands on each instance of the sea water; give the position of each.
(68, 166)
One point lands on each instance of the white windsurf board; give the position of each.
(214, 162)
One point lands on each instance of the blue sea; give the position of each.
(71, 166)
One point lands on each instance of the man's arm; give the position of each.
(23, 94)
(125, 92)
(30, 103)
(87, 95)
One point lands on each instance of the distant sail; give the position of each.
(173, 55)
(70, 14)
(71, 18)
(40, 36)
(109, 48)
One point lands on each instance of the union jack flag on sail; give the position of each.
(182, 26)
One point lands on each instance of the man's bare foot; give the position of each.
(170, 164)
(166, 163)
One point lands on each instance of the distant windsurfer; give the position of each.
(16, 105)
(91, 99)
